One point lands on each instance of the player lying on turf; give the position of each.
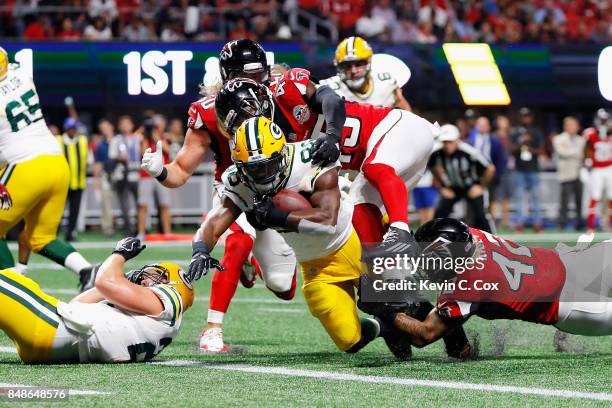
(566, 287)
(125, 318)
(319, 230)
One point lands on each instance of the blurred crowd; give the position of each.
(399, 21)
(114, 153)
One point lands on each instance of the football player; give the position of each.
(32, 155)
(599, 158)
(273, 259)
(322, 237)
(372, 140)
(125, 318)
(355, 80)
(565, 287)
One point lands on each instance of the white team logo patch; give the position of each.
(301, 113)
(184, 279)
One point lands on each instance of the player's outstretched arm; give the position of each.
(217, 222)
(176, 173)
(422, 333)
(112, 283)
(326, 101)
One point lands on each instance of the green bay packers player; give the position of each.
(357, 82)
(322, 237)
(35, 177)
(125, 318)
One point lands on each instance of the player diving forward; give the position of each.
(358, 82)
(276, 259)
(322, 237)
(125, 318)
(566, 287)
(34, 183)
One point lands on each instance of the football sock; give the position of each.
(392, 190)
(6, 258)
(592, 214)
(238, 246)
(367, 221)
(20, 268)
(370, 329)
(57, 251)
(75, 262)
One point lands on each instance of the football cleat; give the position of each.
(87, 277)
(398, 343)
(249, 272)
(396, 241)
(211, 341)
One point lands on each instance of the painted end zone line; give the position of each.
(326, 375)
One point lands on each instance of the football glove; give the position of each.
(269, 216)
(5, 198)
(153, 161)
(201, 262)
(326, 150)
(129, 248)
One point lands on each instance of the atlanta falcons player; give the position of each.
(372, 140)
(274, 259)
(553, 287)
(599, 156)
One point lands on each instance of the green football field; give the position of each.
(286, 359)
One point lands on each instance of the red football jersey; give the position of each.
(202, 116)
(602, 147)
(299, 122)
(512, 282)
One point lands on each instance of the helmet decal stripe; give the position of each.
(350, 46)
(251, 137)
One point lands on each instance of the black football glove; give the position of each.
(5, 198)
(326, 150)
(269, 216)
(201, 262)
(129, 248)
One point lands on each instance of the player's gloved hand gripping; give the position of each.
(326, 150)
(153, 162)
(129, 248)
(201, 261)
(269, 216)
(5, 198)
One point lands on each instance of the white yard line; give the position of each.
(456, 385)
(70, 391)
(8, 350)
(280, 310)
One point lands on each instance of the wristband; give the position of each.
(163, 175)
(200, 246)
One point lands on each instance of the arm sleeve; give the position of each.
(332, 106)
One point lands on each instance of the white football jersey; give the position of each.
(302, 177)
(24, 134)
(105, 334)
(381, 92)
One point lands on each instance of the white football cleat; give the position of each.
(211, 341)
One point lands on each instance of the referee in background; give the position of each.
(76, 150)
(463, 174)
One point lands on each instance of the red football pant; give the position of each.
(238, 246)
(392, 190)
(367, 221)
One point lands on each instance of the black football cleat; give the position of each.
(397, 342)
(396, 241)
(87, 277)
(457, 344)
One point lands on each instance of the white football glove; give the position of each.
(153, 161)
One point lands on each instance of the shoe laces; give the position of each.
(391, 236)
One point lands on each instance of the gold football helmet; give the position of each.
(4, 63)
(260, 152)
(166, 273)
(353, 50)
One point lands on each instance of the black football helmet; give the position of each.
(241, 99)
(444, 238)
(244, 59)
